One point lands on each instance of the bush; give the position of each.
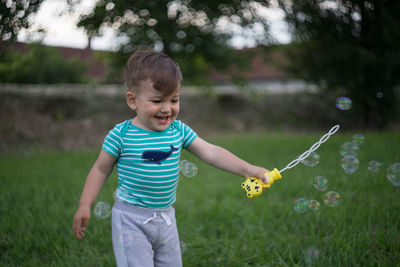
(41, 64)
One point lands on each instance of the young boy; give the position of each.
(147, 152)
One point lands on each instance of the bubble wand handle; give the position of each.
(314, 147)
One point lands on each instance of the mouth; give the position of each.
(162, 119)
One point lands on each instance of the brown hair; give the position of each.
(158, 68)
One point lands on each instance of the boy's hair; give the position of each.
(158, 68)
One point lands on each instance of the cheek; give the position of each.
(151, 108)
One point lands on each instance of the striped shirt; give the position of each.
(148, 162)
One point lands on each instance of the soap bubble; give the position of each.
(343, 103)
(348, 149)
(358, 139)
(183, 246)
(350, 164)
(311, 254)
(189, 170)
(102, 210)
(182, 164)
(373, 165)
(311, 160)
(121, 193)
(332, 198)
(393, 173)
(321, 183)
(314, 204)
(126, 238)
(301, 205)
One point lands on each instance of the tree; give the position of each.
(14, 16)
(350, 47)
(192, 32)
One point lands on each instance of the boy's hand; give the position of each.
(258, 172)
(81, 220)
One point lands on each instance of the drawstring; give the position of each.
(151, 218)
(166, 218)
(163, 215)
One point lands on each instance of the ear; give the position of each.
(131, 99)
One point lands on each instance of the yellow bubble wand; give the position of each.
(254, 186)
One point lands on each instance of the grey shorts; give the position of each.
(145, 237)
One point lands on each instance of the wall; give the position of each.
(70, 116)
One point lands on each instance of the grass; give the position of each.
(218, 225)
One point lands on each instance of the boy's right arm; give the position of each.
(95, 180)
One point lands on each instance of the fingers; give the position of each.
(265, 178)
(80, 224)
(263, 175)
(77, 229)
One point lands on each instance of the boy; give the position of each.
(147, 151)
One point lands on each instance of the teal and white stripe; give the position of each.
(143, 183)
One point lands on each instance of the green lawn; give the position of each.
(219, 226)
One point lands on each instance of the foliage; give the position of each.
(191, 32)
(218, 225)
(15, 16)
(351, 47)
(40, 64)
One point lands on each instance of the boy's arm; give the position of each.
(95, 180)
(225, 160)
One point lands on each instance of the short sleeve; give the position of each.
(188, 135)
(113, 141)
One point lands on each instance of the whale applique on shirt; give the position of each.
(155, 156)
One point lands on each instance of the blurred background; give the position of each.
(250, 65)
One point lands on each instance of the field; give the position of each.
(218, 225)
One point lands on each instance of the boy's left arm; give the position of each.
(225, 160)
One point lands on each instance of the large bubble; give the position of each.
(393, 173)
(314, 204)
(301, 205)
(332, 198)
(350, 164)
(102, 210)
(188, 169)
(349, 149)
(343, 103)
(321, 183)
(312, 160)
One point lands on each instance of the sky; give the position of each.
(60, 27)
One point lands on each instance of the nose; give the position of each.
(165, 108)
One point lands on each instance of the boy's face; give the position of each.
(154, 111)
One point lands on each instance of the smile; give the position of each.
(162, 119)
